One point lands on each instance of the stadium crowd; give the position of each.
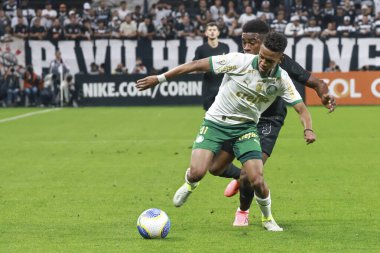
(163, 20)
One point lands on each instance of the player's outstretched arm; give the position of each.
(322, 90)
(305, 117)
(151, 81)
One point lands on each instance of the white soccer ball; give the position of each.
(153, 223)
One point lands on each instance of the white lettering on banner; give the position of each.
(192, 44)
(158, 53)
(343, 58)
(173, 89)
(68, 55)
(374, 86)
(364, 56)
(130, 54)
(349, 88)
(317, 55)
(289, 48)
(115, 48)
(38, 61)
(125, 89)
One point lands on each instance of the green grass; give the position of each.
(75, 180)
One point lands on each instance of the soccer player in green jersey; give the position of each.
(250, 85)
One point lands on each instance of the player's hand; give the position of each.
(147, 82)
(309, 136)
(329, 102)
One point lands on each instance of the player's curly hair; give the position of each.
(275, 42)
(256, 26)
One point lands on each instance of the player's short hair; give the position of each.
(211, 24)
(256, 26)
(275, 42)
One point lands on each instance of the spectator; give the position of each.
(162, 11)
(246, 16)
(102, 31)
(8, 34)
(87, 30)
(229, 18)
(37, 31)
(9, 8)
(313, 30)
(186, 28)
(120, 70)
(294, 28)
(21, 30)
(329, 31)
(146, 29)
(328, 13)
(47, 92)
(332, 67)
(365, 12)
(316, 12)
(364, 27)
(164, 30)
(94, 69)
(376, 25)
(223, 28)
(128, 29)
(12, 85)
(103, 12)
(62, 15)
(139, 68)
(4, 21)
(217, 10)
(73, 30)
(346, 29)
(123, 10)
(349, 8)
(202, 16)
(32, 86)
(299, 8)
(279, 24)
(70, 96)
(16, 17)
(265, 10)
(114, 27)
(231, 8)
(339, 16)
(179, 13)
(137, 15)
(49, 13)
(56, 32)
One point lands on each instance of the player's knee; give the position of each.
(216, 169)
(257, 181)
(196, 173)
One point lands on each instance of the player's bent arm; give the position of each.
(305, 118)
(322, 91)
(202, 65)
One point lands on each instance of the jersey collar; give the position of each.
(255, 65)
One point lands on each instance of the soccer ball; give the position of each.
(153, 223)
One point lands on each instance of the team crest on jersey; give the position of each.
(222, 61)
(271, 90)
(199, 139)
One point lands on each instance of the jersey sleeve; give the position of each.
(289, 92)
(295, 71)
(226, 63)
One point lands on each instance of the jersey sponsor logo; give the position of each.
(252, 99)
(227, 68)
(248, 136)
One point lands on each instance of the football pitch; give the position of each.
(76, 180)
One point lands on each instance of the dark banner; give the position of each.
(120, 90)
(312, 54)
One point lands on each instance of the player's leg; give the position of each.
(253, 170)
(206, 145)
(201, 160)
(268, 130)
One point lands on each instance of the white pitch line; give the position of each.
(29, 114)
